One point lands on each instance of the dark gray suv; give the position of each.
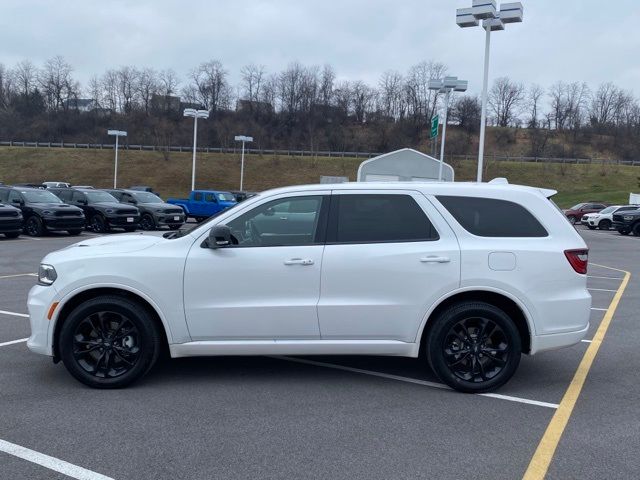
(154, 212)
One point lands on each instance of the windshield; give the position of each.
(94, 197)
(578, 206)
(188, 227)
(39, 196)
(226, 197)
(146, 197)
(609, 210)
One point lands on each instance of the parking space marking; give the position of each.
(539, 464)
(607, 278)
(13, 342)
(413, 380)
(52, 463)
(599, 309)
(586, 341)
(14, 314)
(19, 275)
(601, 290)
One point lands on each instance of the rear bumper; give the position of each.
(541, 343)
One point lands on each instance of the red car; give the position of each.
(575, 213)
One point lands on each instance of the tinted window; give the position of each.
(210, 197)
(64, 195)
(381, 218)
(488, 217)
(281, 222)
(13, 195)
(226, 197)
(197, 196)
(40, 196)
(4, 195)
(97, 196)
(623, 209)
(145, 197)
(78, 196)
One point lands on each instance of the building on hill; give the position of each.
(81, 104)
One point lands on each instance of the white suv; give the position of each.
(604, 218)
(468, 275)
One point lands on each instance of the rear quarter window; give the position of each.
(490, 217)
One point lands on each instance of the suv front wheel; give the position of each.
(474, 347)
(109, 342)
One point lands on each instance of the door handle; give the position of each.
(299, 261)
(433, 259)
(283, 218)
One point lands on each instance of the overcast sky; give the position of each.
(570, 40)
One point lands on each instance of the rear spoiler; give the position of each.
(547, 192)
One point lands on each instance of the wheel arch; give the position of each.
(78, 297)
(506, 302)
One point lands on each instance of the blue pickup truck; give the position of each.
(203, 204)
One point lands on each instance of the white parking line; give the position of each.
(414, 380)
(601, 290)
(586, 341)
(13, 342)
(19, 275)
(599, 309)
(608, 278)
(14, 314)
(52, 463)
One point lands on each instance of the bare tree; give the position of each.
(147, 85)
(421, 101)
(24, 75)
(558, 94)
(467, 111)
(534, 99)
(391, 95)
(212, 86)
(127, 78)
(56, 83)
(505, 97)
(252, 78)
(109, 83)
(605, 104)
(327, 80)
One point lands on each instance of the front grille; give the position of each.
(617, 218)
(126, 211)
(174, 211)
(9, 213)
(68, 213)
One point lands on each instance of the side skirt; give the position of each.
(294, 347)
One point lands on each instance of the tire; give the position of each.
(34, 227)
(623, 232)
(591, 227)
(636, 229)
(109, 342)
(604, 224)
(130, 229)
(200, 219)
(468, 371)
(74, 232)
(147, 222)
(573, 220)
(12, 234)
(99, 224)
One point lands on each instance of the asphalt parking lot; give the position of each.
(365, 417)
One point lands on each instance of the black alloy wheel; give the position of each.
(99, 224)
(474, 347)
(34, 227)
(636, 229)
(147, 222)
(604, 224)
(109, 342)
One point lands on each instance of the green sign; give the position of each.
(434, 127)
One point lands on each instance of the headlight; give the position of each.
(46, 275)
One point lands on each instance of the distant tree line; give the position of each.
(301, 107)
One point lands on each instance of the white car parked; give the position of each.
(469, 275)
(604, 218)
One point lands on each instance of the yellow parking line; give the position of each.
(19, 275)
(541, 459)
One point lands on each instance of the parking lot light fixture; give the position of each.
(244, 139)
(196, 114)
(492, 20)
(446, 85)
(117, 134)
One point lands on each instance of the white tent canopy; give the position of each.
(405, 165)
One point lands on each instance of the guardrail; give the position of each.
(310, 153)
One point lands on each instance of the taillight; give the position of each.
(578, 259)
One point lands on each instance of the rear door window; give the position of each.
(197, 196)
(490, 217)
(379, 218)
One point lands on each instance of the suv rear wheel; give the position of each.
(109, 342)
(604, 225)
(474, 347)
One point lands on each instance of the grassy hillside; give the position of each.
(172, 177)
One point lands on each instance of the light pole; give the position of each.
(196, 114)
(244, 139)
(492, 20)
(446, 85)
(117, 134)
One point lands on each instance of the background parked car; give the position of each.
(102, 210)
(56, 184)
(604, 218)
(627, 222)
(10, 221)
(43, 211)
(144, 188)
(241, 196)
(203, 204)
(154, 212)
(575, 213)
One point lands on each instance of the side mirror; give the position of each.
(219, 237)
(17, 201)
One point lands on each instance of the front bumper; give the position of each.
(64, 223)
(621, 225)
(10, 225)
(168, 219)
(123, 220)
(38, 303)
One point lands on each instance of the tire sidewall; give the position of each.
(151, 225)
(453, 315)
(139, 316)
(604, 225)
(38, 226)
